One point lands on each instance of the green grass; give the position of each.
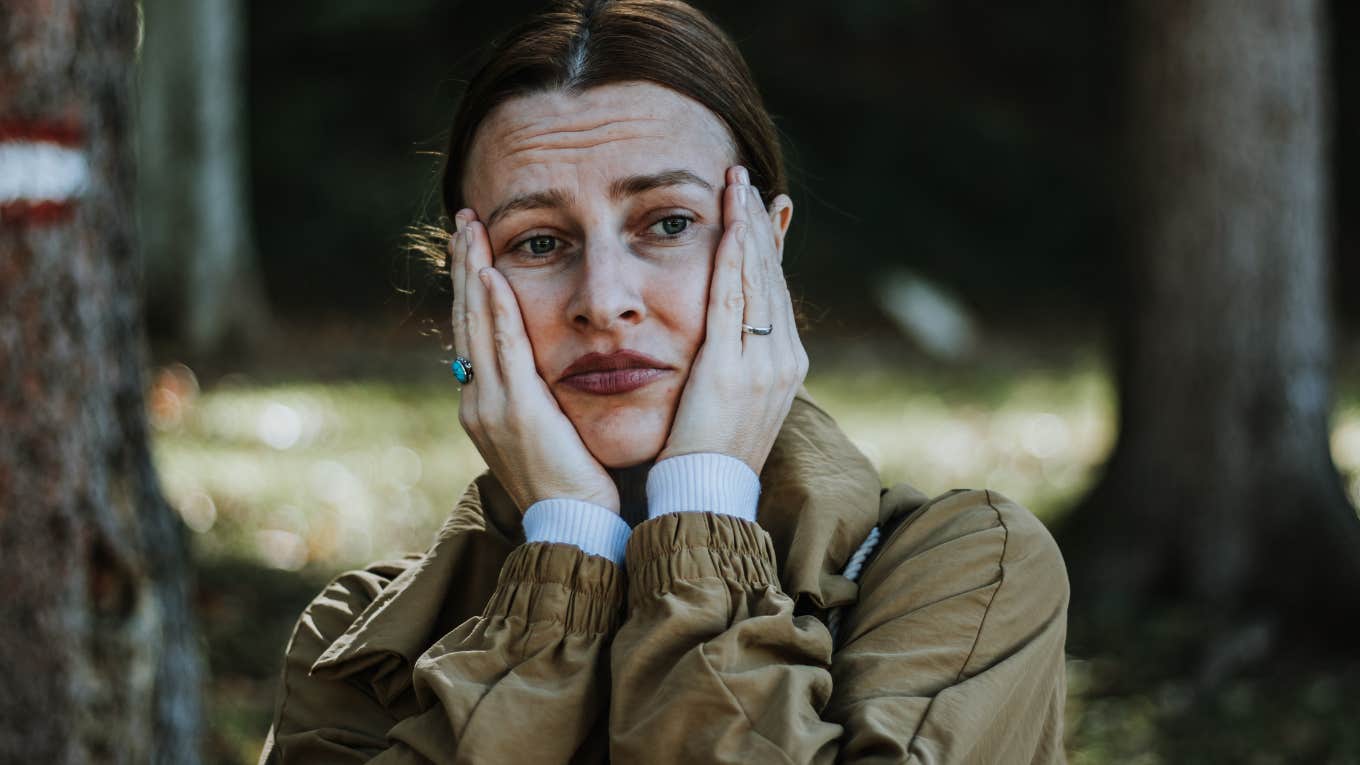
(327, 475)
(285, 483)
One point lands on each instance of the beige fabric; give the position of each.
(710, 646)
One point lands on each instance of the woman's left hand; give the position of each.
(741, 385)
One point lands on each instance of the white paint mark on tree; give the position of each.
(36, 172)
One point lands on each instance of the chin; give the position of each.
(626, 438)
(627, 461)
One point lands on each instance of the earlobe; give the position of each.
(781, 215)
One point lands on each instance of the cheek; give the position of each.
(694, 292)
(694, 311)
(677, 295)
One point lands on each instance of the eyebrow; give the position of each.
(622, 187)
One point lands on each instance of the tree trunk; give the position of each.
(98, 659)
(203, 283)
(1221, 491)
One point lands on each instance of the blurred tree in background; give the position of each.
(203, 286)
(98, 658)
(1221, 491)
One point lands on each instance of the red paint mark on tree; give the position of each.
(43, 213)
(64, 132)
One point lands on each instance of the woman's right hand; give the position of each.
(507, 408)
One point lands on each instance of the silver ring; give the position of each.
(750, 330)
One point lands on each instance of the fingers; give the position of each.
(477, 313)
(468, 416)
(458, 274)
(777, 288)
(756, 277)
(495, 338)
(764, 291)
(726, 298)
(767, 299)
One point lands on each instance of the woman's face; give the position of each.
(604, 213)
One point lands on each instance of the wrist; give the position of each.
(667, 454)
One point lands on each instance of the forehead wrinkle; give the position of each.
(570, 146)
(620, 187)
(514, 133)
(550, 134)
(585, 138)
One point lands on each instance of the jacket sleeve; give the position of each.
(954, 652)
(522, 682)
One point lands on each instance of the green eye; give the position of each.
(674, 225)
(541, 245)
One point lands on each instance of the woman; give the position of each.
(671, 530)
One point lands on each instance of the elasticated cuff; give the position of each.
(596, 530)
(705, 482)
(687, 546)
(555, 582)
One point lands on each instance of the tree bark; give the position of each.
(203, 282)
(1221, 491)
(98, 658)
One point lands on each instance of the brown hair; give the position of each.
(575, 45)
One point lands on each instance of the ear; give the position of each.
(781, 215)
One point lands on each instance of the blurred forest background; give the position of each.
(963, 245)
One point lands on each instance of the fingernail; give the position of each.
(745, 176)
(485, 276)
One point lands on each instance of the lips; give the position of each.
(613, 373)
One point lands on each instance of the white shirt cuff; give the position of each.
(596, 530)
(703, 483)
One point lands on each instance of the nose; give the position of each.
(608, 291)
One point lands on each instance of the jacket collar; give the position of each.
(819, 499)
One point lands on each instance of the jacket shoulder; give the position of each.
(915, 524)
(958, 635)
(973, 559)
(340, 602)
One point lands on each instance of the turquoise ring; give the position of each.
(462, 369)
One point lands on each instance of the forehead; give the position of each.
(594, 136)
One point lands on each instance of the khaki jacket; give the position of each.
(710, 646)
